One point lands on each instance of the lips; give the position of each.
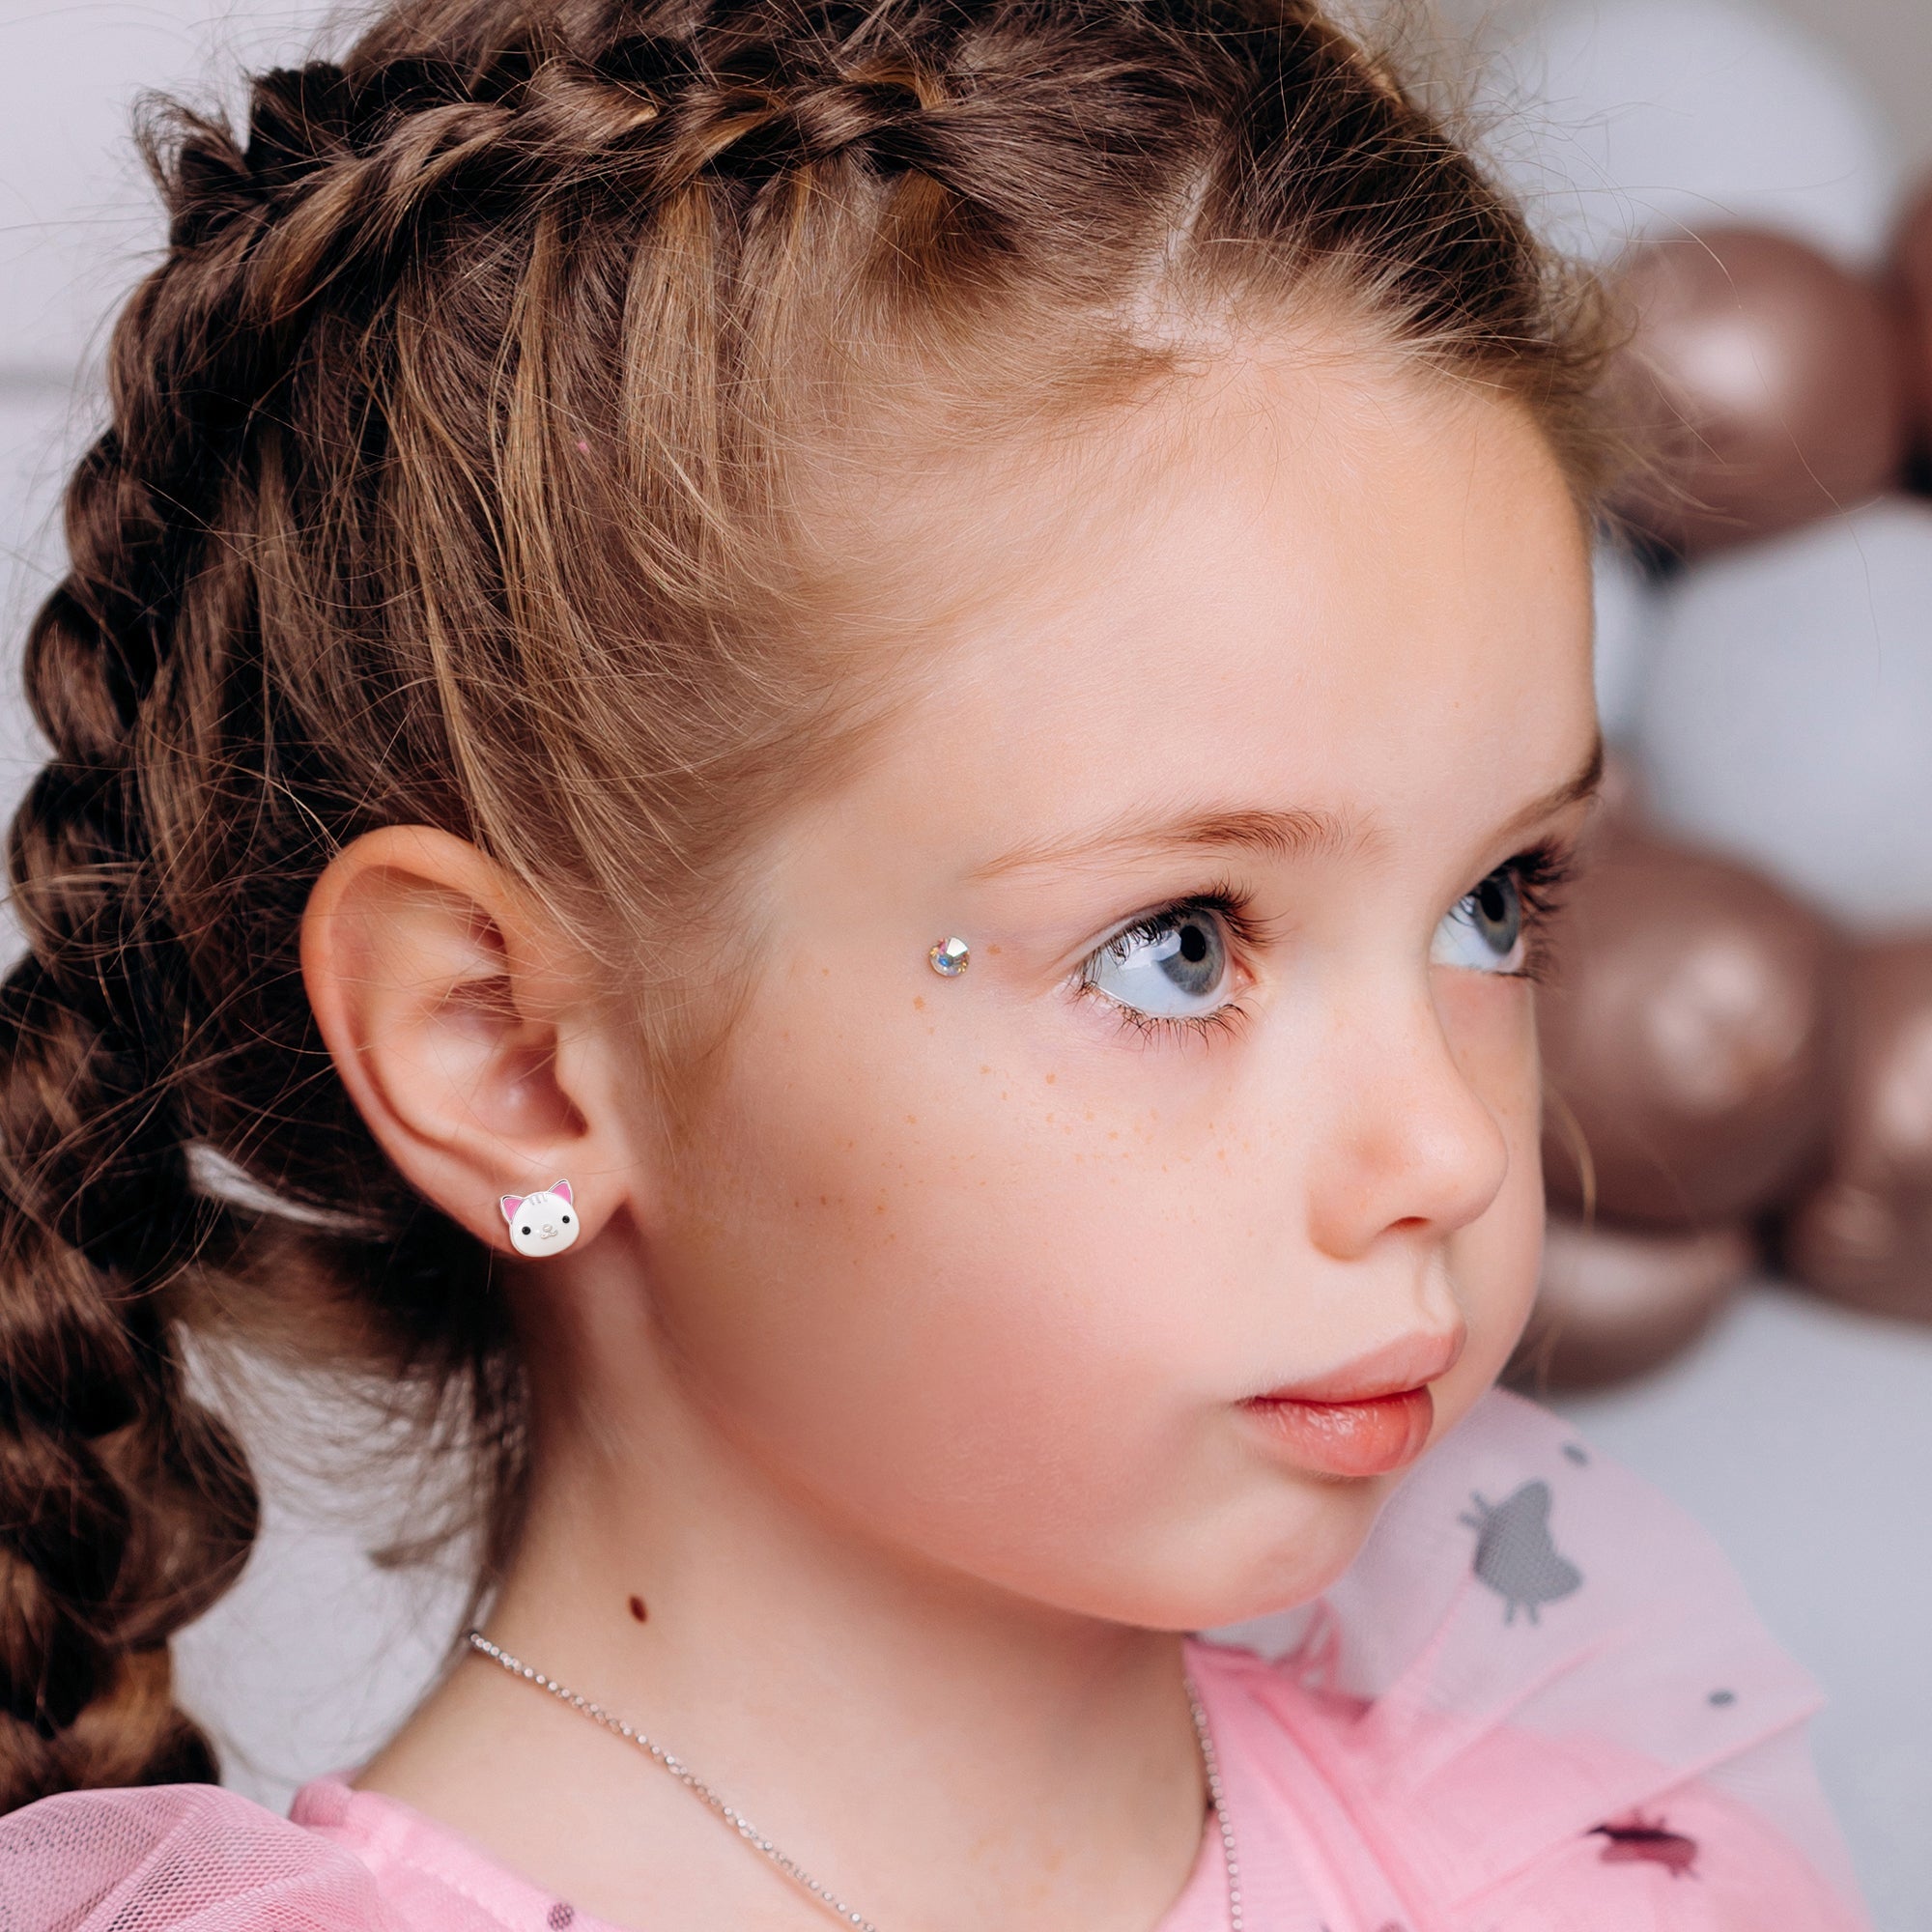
(1366, 1419)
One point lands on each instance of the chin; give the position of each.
(1301, 1570)
(1271, 1562)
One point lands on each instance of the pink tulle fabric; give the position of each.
(1538, 1702)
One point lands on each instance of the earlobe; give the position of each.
(466, 1047)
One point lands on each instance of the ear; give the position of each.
(471, 1043)
(561, 1189)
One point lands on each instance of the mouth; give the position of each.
(1370, 1417)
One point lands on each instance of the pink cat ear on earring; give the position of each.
(544, 1223)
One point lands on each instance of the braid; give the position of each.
(128, 1508)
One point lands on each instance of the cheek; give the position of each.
(891, 1244)
(1497, 1260)
(989, 1307)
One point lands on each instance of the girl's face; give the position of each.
(1245, 765)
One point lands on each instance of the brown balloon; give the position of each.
(1765, 386)
(1687, 1038)
(1912, 278)
(1864, 1235)
(1617, 1302)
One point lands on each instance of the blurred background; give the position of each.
(1738, 1299)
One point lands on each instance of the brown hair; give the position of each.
(445, 484)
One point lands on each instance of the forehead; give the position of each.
(1306, 582)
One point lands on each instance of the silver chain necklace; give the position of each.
(756, 1839)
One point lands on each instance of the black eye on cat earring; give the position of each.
(950, 959)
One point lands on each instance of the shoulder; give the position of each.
(1542, 1680)
(1514, 1557)
(181, 1858)
(1518, 1566)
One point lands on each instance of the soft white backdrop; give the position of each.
(1803, 1436)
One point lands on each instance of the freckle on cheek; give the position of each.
(919, 1003)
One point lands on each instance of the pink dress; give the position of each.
(1539, 1702)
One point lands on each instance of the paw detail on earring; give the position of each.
(544, 1223)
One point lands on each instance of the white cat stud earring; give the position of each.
(544, 1223)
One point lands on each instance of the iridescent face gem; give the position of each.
(948, 958)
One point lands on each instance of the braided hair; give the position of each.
(452, 478)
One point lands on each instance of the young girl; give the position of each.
(818, 754)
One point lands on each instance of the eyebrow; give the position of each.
(1302, 832)
(1586, 781)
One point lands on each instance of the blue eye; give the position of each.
(1174, 965)
(1483, 931)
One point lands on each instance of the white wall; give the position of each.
(1889, 42)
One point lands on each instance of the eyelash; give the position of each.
(1542, 875)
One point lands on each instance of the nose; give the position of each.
(548, 1229)
(1412, 1143)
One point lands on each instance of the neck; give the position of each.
(938, 1752)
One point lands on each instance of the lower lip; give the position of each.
(1351, 1439)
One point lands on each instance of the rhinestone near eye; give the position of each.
(948, 958)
